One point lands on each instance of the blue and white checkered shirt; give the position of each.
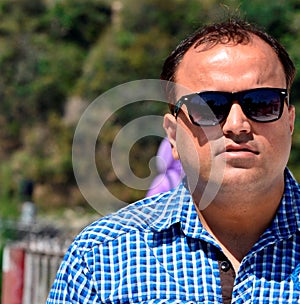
(157, 251)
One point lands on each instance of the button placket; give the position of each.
(227, 277)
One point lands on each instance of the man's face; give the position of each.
(247, 155)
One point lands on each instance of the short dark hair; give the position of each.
(234, 31)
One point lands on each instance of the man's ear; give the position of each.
(292, 115)
(170, 126)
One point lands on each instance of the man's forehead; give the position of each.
(205, 55)
(254, 63)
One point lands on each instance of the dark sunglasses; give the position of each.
(212, 107)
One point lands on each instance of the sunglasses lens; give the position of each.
(262, 105)
(208, 108)
(211, 108)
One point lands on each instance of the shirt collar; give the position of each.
(177, 206)
(287, 219)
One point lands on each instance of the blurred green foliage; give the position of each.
(54, 51)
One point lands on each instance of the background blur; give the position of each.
(57, 56)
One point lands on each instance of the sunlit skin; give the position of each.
(251, 155)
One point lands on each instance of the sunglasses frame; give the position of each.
(235, 96)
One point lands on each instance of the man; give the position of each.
(239, 245)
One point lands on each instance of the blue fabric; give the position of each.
(156, 251)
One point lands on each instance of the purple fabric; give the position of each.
(169, 170)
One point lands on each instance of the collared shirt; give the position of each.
(157, 251)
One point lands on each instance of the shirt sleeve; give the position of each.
(74, 282)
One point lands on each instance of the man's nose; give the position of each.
(236, 121)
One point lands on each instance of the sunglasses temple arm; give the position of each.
(287, 100)
(177, 108)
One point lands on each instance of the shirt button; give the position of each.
(225, 266)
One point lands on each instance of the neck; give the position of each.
(237, 220)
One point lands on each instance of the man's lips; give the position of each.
(239, 148)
